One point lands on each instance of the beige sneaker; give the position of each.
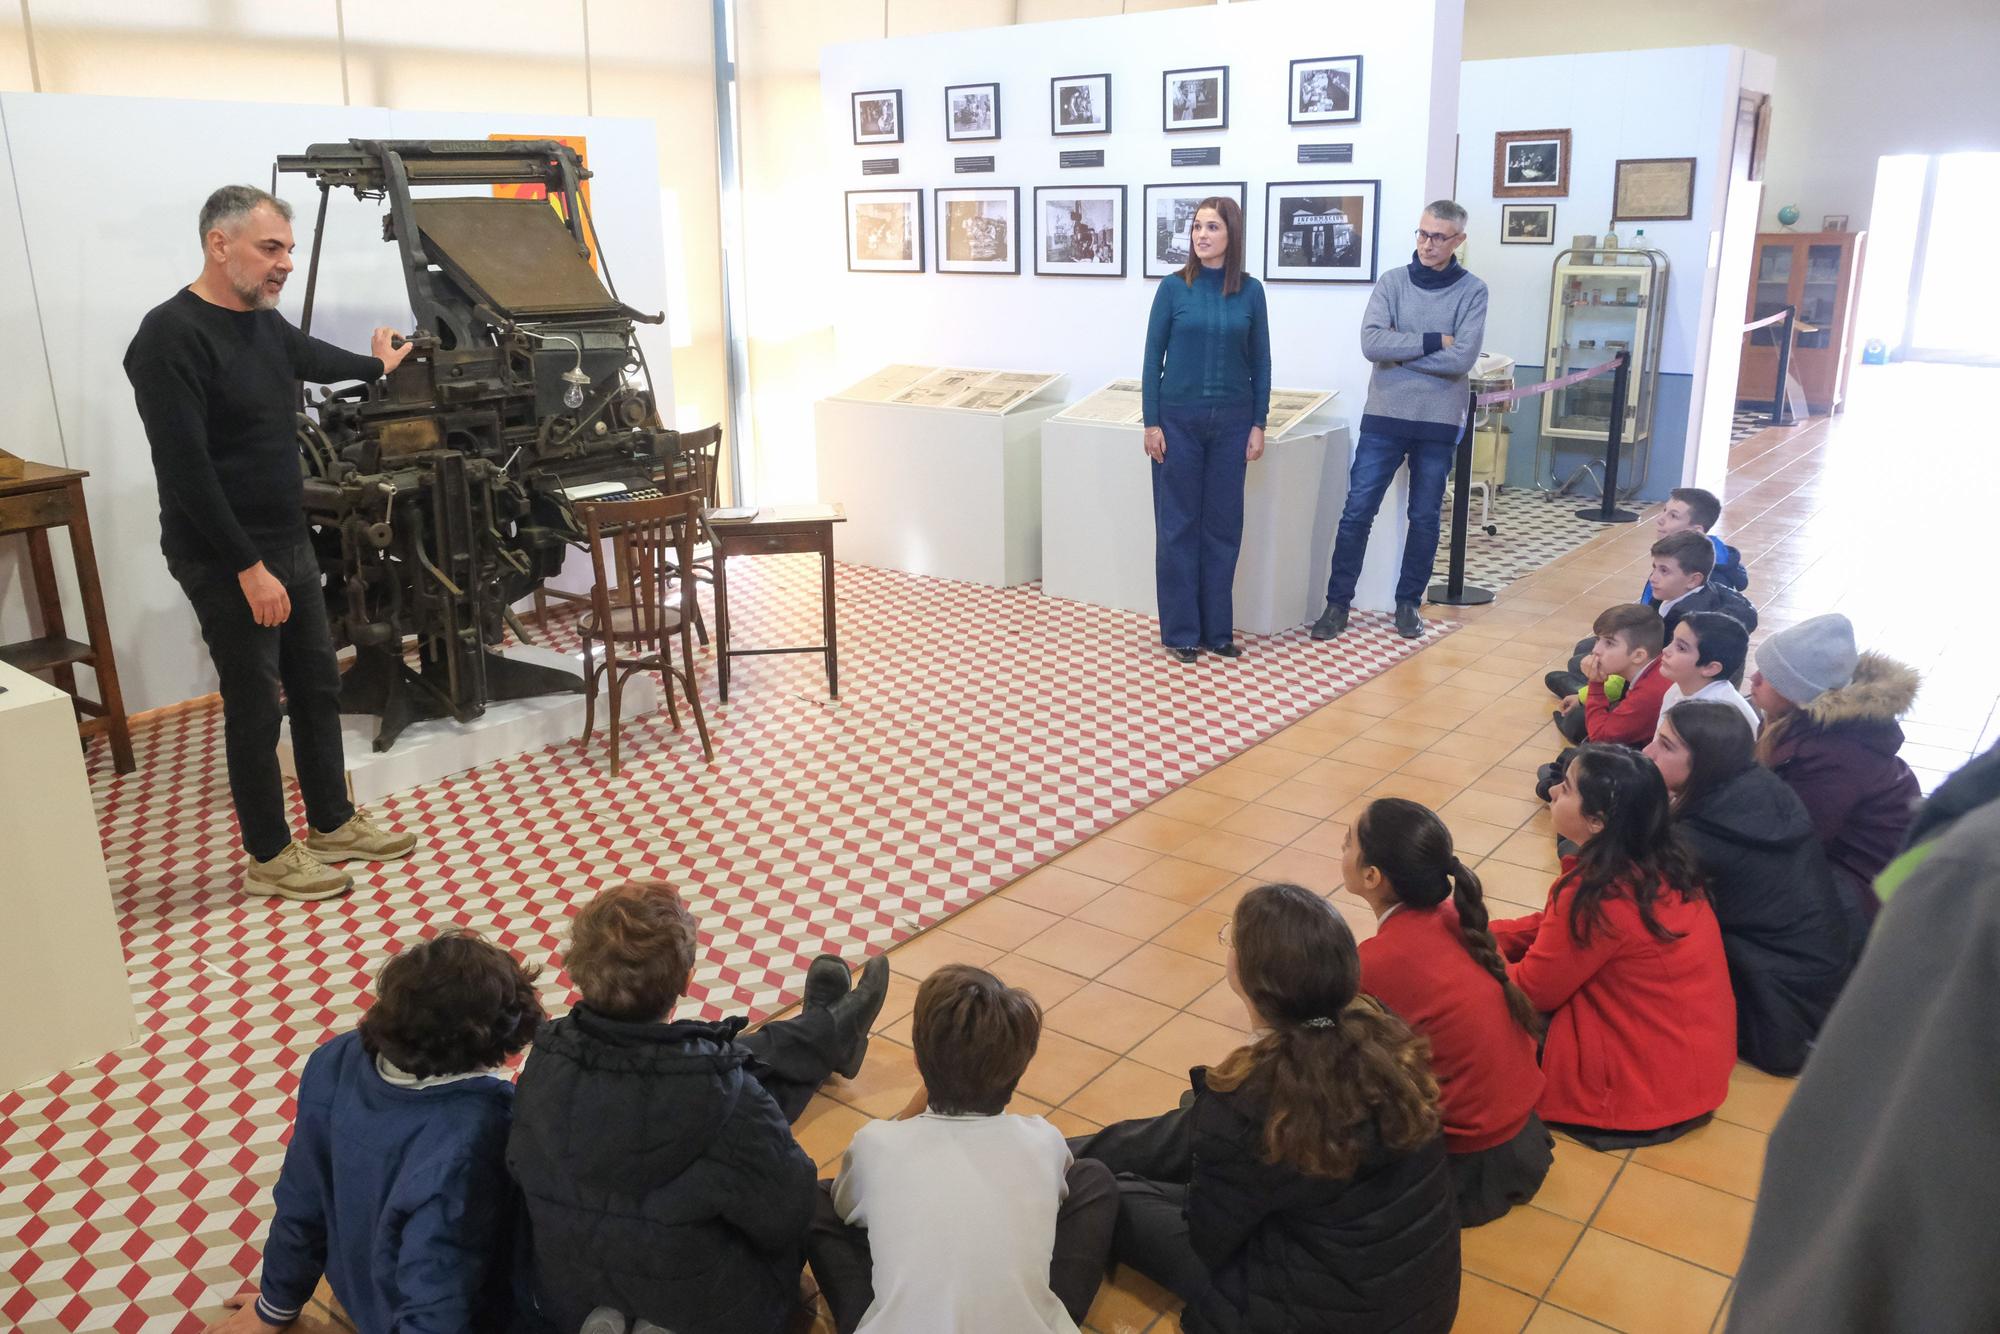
(360, 840)
(296, 874)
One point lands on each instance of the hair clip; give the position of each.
(1320, 1021)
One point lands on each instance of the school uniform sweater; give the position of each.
(1203, 347)
(1642, 1031)
(1488, 1081)
(1635, 717)
(1418, 389)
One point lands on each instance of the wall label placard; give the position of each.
(880, 166)
(1326, 153)
(968, 164)
(1081, 157)
(1196, 157)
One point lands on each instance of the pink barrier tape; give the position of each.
(1768, 319)
(1529, 391)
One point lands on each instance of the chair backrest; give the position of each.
(701, 452)
(650, 544)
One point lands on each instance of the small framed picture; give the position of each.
(1326, 89)
(978, 230)
(878, 116)
(1080, 104)
(1195, 99)
(1320, 231)
(885, 231)
(1528, 224)
(1080, 231)
(1531, 163)
(1653, 189)
(972, 111)
(1833, 222)
(1169, 211)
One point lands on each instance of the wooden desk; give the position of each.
(775, 530)
(45, 498)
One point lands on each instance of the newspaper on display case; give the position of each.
(960, 388)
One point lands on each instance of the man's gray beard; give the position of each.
(256, 298)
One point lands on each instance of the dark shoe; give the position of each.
(1562, 684)
(604, 1320)
(1185, 654)
(854, 1014)
(1408, 623)
(1230, 650)
(826, 982)
(1331, 621)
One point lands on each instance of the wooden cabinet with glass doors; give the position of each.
(1820, 273)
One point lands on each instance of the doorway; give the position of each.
(1929, 295)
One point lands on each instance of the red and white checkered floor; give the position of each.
(979, 733)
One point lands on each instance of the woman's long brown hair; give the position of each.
(1333, 1064)
(1231, 214)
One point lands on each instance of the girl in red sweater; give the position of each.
(1627, 961)
(1433, 962)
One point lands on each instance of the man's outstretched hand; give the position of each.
(390, 357)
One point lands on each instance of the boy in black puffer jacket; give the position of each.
(657, 1157)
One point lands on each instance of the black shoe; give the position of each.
(826, 982)
(1563, 684)
(1185, 654)
(1230, 650)
(854, 1014)
(1331, 621)
(1408, 623)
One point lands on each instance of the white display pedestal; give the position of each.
(937, 491)
(62, 974)
(1097, 524)
(442, 746)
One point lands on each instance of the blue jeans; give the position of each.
(1198, 521)
(1376, 458)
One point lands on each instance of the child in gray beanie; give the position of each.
(1810, 658)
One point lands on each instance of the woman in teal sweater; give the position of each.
(1206, 386)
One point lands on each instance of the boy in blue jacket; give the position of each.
(395, 1186)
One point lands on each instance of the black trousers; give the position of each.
(793, 1057)
(257, 665)
(845, 1270)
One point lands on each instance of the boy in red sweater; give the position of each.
(1629, 638)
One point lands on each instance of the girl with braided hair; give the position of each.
(1433, 962)
(1302, 1184)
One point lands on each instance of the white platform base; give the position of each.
(440, 747)
(932, 491)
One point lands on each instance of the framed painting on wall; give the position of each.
(1653, 189)
(1195, 99)
(1080, 104)
(1326, 90)
(979, 229)
(972, 111)
(1320, 231)
(1528, 224)
(885, 231)
(1169, 209)
(1080, 231)
(1531, 163)
(878, 116)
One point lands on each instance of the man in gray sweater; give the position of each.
(1423, 329)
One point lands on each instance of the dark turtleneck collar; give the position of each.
(1435, 280)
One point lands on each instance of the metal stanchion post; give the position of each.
(1608, 511)
(1454, 591)
(1779, 416)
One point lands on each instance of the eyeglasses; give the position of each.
(1436, 238)
(1227, 936)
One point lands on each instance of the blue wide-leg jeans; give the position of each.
(1376, 458)
(1198, 520)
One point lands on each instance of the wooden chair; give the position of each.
(639, 601)
(700, 469)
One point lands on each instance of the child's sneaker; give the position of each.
(360, 840)
(296, 874)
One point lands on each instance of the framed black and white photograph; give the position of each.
(1080, 104)
(878, 116)
(1080, 231)
(972, 111)
(1169, 212)
(1195, 99)
(1326, 90)
(1527, 224)
(885, 231)
(1652, 189)
(1320, 231)
(1531, 164)
(978, 229)
(1833, 222)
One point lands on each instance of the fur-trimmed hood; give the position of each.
(1881, 692)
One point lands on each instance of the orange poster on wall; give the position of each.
(574, 141)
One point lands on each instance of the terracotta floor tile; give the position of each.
(1182, 881)
(1434, 710)
(1196, 934)
(1525, 886)
(1485, 1307)
(1505, 724)
(901, 1030)
(1107, 1017)
(1416, 736)
(1049, 986)
(1062, 1065)
(1269, 823)
(1226, 851)
(1475, 838)
(887, 1079)
(1304, 740)
(1185, 1041)
(1270, 760)
(1755, 1099)
(825, 1127)
(1132, 913)
(1128, 1089)
(1072, 1125)
(1243, 784)
(1522, 1249)
(1681, 1217)
(1319, 874)
(1220, 1005)
(1078, 947)
(1224, 900)
(925, 954)
(1720, 1154)
(1554, 1320)
(1374, 754)
(1361, 703)
(1485, 682)
(1442, 768)
(1464, 746)
(1341, 776)
(1163, 975)
(1627, 1286)
(1023, 1105)
(1425, 791)
(1514, 784)
(1196, 806)
(1327, 838)
(1056, 889)
(902, 998)
(1001, 923)
(1533, 850)
(1105, 859)
(1154, 833)
(1578, 1180)
(1128, 1303)
(1305, 799)
(1508, 812)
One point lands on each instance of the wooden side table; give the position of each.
(41, 499)
(775, 530)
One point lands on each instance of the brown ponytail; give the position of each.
(1411, 847)
(1333, 1064)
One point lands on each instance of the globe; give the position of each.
(1789, 214)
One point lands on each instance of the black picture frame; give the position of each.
(1508, 215)
(1294, 91)
(941, 262)
(916, 214)
(1121, 233)
(951, 131)
(1320, 232)
(875, 95)
(1217, 121)
(1150, 265)
(1062, 83)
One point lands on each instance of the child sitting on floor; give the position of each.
(956, 1216)
(1680, 584)
(1629, 637)
(395, 1183)
(1693, 510)
(1627, 961)
(1705, 654)
(1434, 964)
(1303, 1185)
(662, 1179)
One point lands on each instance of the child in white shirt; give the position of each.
(1702, 659)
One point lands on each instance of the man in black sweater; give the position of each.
(215, 370)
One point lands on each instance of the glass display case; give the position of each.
(1820, 273)
(1601, 303)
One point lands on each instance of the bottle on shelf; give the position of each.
(1611, 244)
(1638, 243)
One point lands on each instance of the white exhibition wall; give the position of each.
(1093, 329)
(104, 229)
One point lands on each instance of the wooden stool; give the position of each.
(42, 498)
